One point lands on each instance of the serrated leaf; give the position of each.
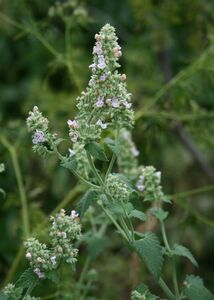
(96, 150)
(144, 290)
(96, 246)
(195, 289)
(138, 215)
(86, 201)
(183, 251)
(113, 146)
(149, 249)
(159, 213)
(28, 279)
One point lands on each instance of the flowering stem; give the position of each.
(62, 158)
(165, 288)
(174, 275)
(113, 221)
(94, 170)
(20, 183)
(114, 156)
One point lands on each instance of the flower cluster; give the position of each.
(117, 189)
(127, 160)
(12, 292)
(42, 139)
(106, 102)
(64, 231)
(39, 257)
(149, 182)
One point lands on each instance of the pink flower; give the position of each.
(100, 101)
(73, 124)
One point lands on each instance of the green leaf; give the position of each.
(53, 276)
(144, 290)
(69, 164)
(119, 210)
(183, 251)
(86, 201)
(138, 215)
(149, 249)
(195, 289)
(96, 150)
(159, 213)
(96, 245)
(28, 279)
(113, 146)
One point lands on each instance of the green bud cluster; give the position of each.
(81, 159)
(39, 257)
(66, 8)
(118, 190)
(135, 295)
(127, 160)
(106, 102)
(64, 230)
(12, 292)
(149, 182)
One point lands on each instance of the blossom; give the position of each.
(127, 104)
(38, 137)
(140, 186)
(53, 259)
(97, 48)
(101, 124)
(74, 137)
(134, 151)
(109, 101)
(74, 214)
(93, 67)
(71, 152)
(28, 255)
(115, 103)
(39, 273)
(91, 82)
(101, 62)
(73, 124)
(100, 101)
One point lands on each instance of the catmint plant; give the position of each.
(105, 108)
(104, 121)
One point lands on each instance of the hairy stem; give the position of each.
(174, 275)
(20, 182)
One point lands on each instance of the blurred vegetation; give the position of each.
(168, 56)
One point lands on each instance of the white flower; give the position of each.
(100, 102)
(127, 104)
(73, 124)
(115, 103)
(64, 235)
(101, 124)
(158, 174)
(71, 152)
(28, 255)
(74, 214)
(74, 137)
(134, 151)
(53, 259)
(39, 273)
(140, 187)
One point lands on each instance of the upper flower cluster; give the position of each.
(106, 101)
